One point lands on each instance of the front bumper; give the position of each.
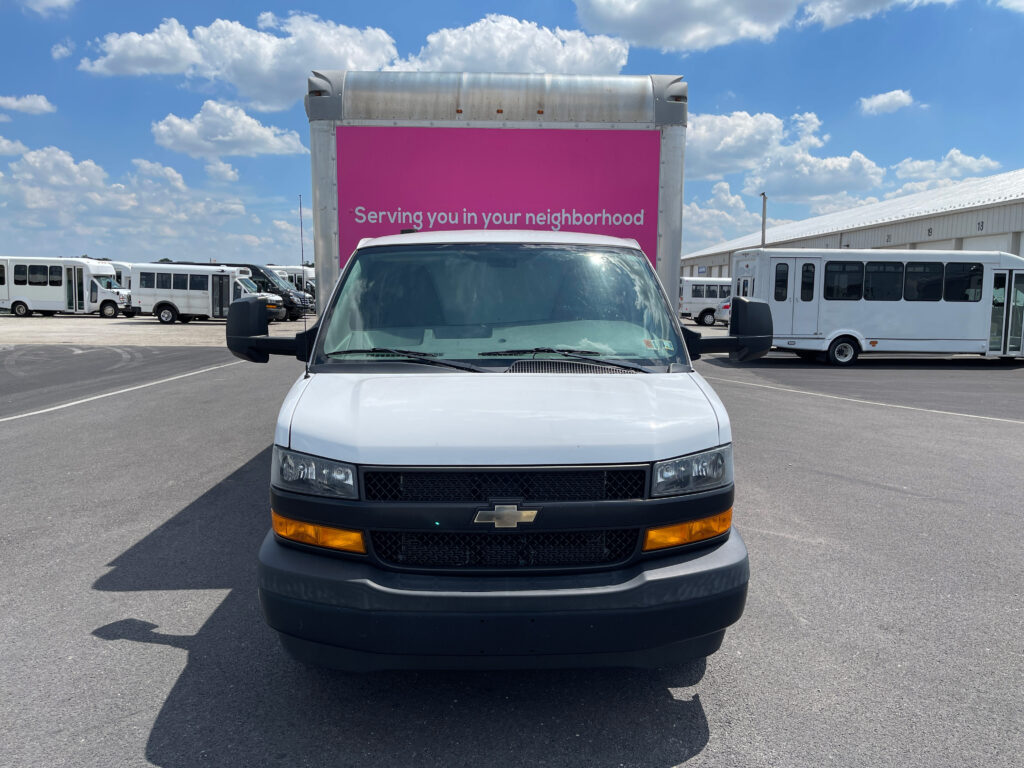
(352, 615)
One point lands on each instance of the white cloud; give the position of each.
(33, 104)
(47, 179)
(955, 165)
(63, 49)
(795, 175)
(218, 170)
(11, 147)
(160, 172)
(721, 144)
(499, 43)
(268, 66)
(697, 25)
(1011, 5)
(46, 7)
(222, 129)
(4, 118)
(833, 13)
(882, 103)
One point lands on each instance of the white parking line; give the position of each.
(864, 402)
(118, 392)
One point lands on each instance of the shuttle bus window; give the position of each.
(883, 281)
(37, 274)
(963, 281)
(236, 291)
(711, 292)
(20, 274)
(163, 281)
(844, 280)
(807, 283)
(94, 290)
(3, 275)
(198, 282)
(696, 291)
(781, 281)
(145, 280)
(56, 276)
(180, 282)
(923, 281)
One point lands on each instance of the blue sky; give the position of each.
(136, 130)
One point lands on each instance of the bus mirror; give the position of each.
(751, 324)
(247, 332)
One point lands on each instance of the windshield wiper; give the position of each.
(590, 355)
(427, 358)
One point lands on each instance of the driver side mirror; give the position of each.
(247, 330)
(750, 333)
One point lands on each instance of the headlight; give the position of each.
(693, 473)
(303, 473)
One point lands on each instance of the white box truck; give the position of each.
(499, 453)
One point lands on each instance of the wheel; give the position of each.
(184, 318)
(20, 309)
(707, 317)
(166, 314)
(843, 351)
(108, 309)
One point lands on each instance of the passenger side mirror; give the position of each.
(247, 330)
(750, 333)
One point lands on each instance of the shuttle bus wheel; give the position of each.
(707, 317)
(166, 314)
(108, 309)
(843, 351)
(20, 309)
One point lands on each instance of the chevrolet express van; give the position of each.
(499, 455)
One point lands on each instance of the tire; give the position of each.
(184, 318)
(843, 351)
(166, 314)
(20, 309)
(707, 317)
(108, 309)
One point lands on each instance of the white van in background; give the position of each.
(185, 292)
(699, 297)
(52, 285)
(297, 276)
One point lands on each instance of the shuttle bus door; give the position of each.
(221, 294)
(806, 300)
(74, 293)
(1015, 313)
(997, 327)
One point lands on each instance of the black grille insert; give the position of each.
(483, 486)
(504, 551)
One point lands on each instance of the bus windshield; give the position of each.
(107, 281)
(477, 302)
(249, 285)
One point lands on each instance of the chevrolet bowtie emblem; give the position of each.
(505, 516)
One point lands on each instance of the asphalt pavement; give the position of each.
(881, 507)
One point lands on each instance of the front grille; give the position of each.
(481, 486)
(504, 551)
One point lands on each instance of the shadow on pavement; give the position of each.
(242, 702)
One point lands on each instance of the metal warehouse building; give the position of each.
(980, 215)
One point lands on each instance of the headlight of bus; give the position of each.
(303, 473)
(693, 473)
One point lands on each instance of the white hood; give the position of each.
(494, 419)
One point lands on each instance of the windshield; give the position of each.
(276, 280)
(107, 281)
(486, 303)
(248, 284)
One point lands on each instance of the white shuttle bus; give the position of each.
(840, 303)
(52, 285)
(296, 275)
(186, 292)
(123, 273)
(699, 297)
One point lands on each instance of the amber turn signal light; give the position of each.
(318, 535)
(688, 532)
